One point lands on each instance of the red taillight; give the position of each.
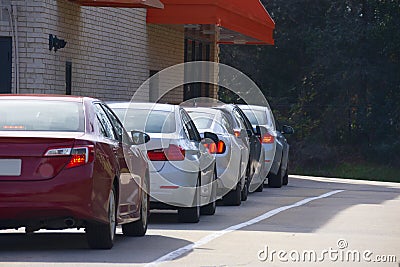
(79, 155)
(172, 153)
(216, 148)
(267, 139)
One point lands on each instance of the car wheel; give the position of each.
(234, 197)
(210, 208)
(275, 180)
(245, 191)
(139, 227)
(192, 214)
(99, 235)
(286, 177)
(260, 188)
(189, 215)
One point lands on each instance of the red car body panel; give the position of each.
(47, 192)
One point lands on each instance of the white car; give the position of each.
(274, 143)
(231, 153)
(182, 171)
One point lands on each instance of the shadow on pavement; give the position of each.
(72, 248)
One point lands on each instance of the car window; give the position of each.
(239, 118)
(226, 124)
(190, 127)
(245, 120)
(108, 130)
(256, 117)
(41, 115)
(115, 122)
(149, 121)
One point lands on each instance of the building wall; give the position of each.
(107, 48)
(112, 50)
(166, 48)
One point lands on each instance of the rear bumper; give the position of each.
(71, 194)
(173, 187)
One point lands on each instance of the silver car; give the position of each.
(274, 143)
(182, 171)
(231, 152)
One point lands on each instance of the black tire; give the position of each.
(189, 215)
(100, 235)
(286, 177)
(245, 192)
(210, 208)
(275, 181)
(192, 214)
(234, 197)
(139, 228)
(260, 188)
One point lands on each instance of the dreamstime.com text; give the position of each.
(340, 254)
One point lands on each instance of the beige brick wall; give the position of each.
(107, 48)
(166, 47)
(112, 50)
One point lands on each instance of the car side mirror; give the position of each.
(212, 136)
(287, 129)
(139, 138)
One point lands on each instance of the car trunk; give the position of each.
(159, 141)
(22, 157)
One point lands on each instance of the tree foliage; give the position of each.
(334, 74)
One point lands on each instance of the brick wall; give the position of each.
(165, 49)
(112, 50)
(107, 48)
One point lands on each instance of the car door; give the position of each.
(129, 195)
(255, 145)
(206, 160)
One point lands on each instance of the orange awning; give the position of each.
(121, 3)
(239, 21)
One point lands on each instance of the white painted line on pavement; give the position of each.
(183, 250)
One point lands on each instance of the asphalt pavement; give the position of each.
(311, 222)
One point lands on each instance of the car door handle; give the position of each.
(115, 149)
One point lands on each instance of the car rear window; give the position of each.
(41, 115)
(257, 117)
(204, 121)
(149, 121)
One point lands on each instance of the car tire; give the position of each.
(100, 235)
(286, 177)
(275, 180)
(192, 214)
(139, 228)
(260, 188)
(245, 191)
(189, 215)
(210, 208)
(234, 197)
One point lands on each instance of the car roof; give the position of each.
(142, 105)
(46, 97)
(203, 110)
(252, 107)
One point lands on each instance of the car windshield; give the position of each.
(149, 121)
(257, 117)
(204, 121)
(41, 115)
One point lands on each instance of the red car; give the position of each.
(67, 162)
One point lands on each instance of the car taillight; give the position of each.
(79, 155)
(237, 133)
(267, 139)
(172, 153)
(216, 148)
